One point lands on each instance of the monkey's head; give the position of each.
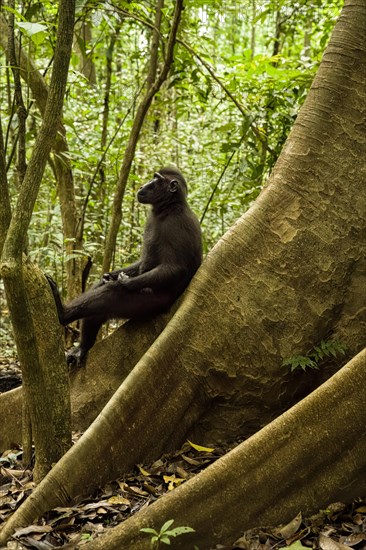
(168, 186)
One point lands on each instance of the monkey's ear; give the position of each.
(173, 186)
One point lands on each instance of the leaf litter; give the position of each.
(339, 527)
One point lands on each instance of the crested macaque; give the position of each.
(171, 254)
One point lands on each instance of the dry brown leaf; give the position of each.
(287, 531)
(32, 529)
(119, 500)
(326, 543)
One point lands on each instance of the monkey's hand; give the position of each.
(122, 277)
(127, 282)
(107, 278)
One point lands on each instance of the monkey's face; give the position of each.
(160, 189)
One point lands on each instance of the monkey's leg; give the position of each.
(97, 302)
(89, 328)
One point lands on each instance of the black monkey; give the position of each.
(171, 255)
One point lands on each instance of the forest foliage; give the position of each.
(241, 71)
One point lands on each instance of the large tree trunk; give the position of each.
(290, 273)
(109, 362)
(296, 463)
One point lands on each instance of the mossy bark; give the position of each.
(48, 385)
(72, 226)
(23, 289)
(299, 462)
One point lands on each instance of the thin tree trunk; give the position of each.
(5, 208)
(83, 35)
(44, 400)
(155, 85)
(253, 29)
(21, 110)
(102, 192)
(64, 178)
(277, 37)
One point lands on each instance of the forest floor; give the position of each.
(10, 373)
(341, 526)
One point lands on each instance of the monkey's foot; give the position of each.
(52, 284)
(76, 357)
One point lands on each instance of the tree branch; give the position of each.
(21, 110)
(135, 134)
(245, 114)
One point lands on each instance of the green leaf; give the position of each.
(15, 12)
(179, 531)
(296, 546)
(31, 28)
(166, 525)
(318, 353)
(149, 530)
(35, 31)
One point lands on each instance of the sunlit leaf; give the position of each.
(166, 525)
(200, 448)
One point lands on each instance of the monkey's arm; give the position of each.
(130, 270)
(161, 275)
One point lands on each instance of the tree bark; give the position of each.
(18, 96)
(73, 230)
(48, 386)
(288, 274)
(53, 439)
(5, 207)
(296, 463)
(83, 35)
(109, 362)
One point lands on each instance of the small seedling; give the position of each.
(315, 356)
(165, 533)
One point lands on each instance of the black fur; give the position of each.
(171, 255)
